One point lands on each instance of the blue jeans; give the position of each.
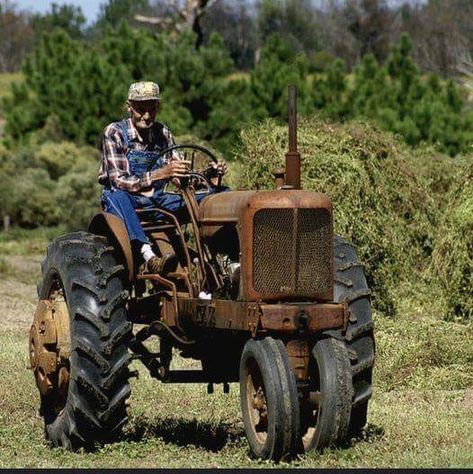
(123, 204)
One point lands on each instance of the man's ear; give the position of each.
(128, 107)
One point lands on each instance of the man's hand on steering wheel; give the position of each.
(174, 169)
(216, 171)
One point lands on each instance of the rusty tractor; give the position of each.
(254, 286)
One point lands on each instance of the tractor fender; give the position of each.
(113, 228)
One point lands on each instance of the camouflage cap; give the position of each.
(143, 91)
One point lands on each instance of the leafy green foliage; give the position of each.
(78, 197)
(452, 260)
(289, 19)
(114, 12)
(49, 184)
(278, 67)
(59, 159)
(77, 88)
(33, 199)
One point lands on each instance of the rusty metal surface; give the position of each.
(290, 254)
(293, 158)
(309, 318)
(291, 251)
(253, 317)
(105, 223)
(279, 177)
(298, 352)
(218, 314)
(50, 346)
(180, 236)
(219, 209)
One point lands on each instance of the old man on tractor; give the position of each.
(134, 170)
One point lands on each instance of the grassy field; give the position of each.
(421, 414)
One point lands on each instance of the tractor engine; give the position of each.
(282, 241)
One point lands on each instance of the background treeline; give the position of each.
(323, 29)
(226, 63)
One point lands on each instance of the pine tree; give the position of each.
(279, 66)
(329, 91)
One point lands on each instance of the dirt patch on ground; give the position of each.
(18, 298)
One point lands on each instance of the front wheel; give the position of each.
(326, 405)
(269, 400)
(78, 341)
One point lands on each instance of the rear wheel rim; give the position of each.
(49, 348)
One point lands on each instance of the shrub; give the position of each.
(33, 199)
(60, 158)
(77, 196)
(452, 261)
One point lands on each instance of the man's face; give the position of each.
(143, 112)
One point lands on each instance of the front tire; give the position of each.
(269, 400)
(83, 270)
(325, 408)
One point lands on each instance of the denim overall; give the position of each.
(123, 204)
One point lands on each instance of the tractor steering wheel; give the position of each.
(196, 174)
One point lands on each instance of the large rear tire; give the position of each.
(350, 285)
(269, 400)
(91, 406)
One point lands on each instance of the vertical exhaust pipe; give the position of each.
(293, 157)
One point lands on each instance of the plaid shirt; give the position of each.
(114, 155)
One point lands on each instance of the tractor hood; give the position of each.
(227, 207)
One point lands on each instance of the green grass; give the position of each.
(182, 426)
(25, 242)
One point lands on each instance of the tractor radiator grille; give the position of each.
(292, 251)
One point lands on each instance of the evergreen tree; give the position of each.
(77, 87)
(399, 99)
(293, 20)
(279, 66)
(115, 12)
(329, 91)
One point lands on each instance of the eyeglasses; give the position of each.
(141, 109)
